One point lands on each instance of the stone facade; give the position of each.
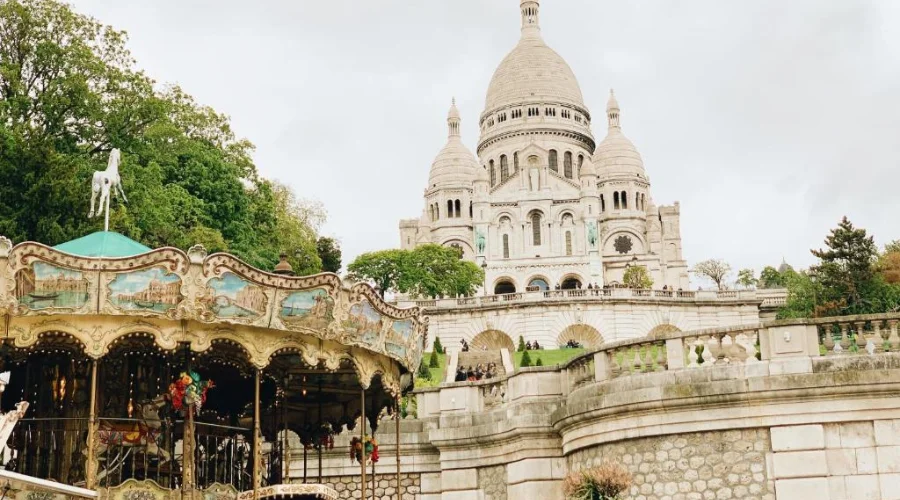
(692, 466)
(492, 481)
(543, 205)
(348, 487)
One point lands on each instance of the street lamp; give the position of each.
(484, 280)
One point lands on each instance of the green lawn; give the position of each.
(437, 374)
(549, 357)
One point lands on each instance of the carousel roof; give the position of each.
(103, 244)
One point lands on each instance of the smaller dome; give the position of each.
(454, 165)
(617, 154)
(588, 168)
(482, 175)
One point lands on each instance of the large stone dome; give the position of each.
(532, 71)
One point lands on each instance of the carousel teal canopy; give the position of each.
(103, 244)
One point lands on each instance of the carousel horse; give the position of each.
(143, 433)
(105, 182)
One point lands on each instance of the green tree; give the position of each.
(715, 270)
(637, 277)
(383, 268)
(433, 361)
(526, 359)
(746, 278)
(70, 92)
(539, 362)
(892, 246)
(846, 270)
(329, 251)
(802, 295)
(438, 347)
(423, 372)
(426, 271)
(770, 277)
(521, 343)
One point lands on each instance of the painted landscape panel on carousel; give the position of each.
(307, 308)
(151, 289)
(364, 322)
(403, 330)
(44, 286)
(234, 297)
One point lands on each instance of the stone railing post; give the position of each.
(894, 339)
(675, 354)
(602, 366)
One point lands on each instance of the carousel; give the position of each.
(152, 374)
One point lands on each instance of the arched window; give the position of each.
(504, 286)
(536, 228)
(571, 283)
(458, 211)
(516, 161)
(568, 242)
(567, 165)
(505, 246)
(637, 201)
(437, 211)
(624, 197)
(553, 161)
(616, 200)
(602, 204)
(493, 174)
(470, 209)
(643, 202)
(504, 168)
(449, 208)
(540, 283)
(580, 163)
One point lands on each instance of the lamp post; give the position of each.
(484, 280)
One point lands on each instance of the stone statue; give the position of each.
(479, 241)
(106, 181)
(592, 234)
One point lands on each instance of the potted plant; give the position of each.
(605, 482)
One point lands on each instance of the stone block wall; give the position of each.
(492, 481)
(841, 461)
(717, 465)
(385, 486)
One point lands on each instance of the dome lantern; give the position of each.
(612, 110)
(531, 26)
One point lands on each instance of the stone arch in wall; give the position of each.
(572, 281)
(660, 330)
(492, 340)
(505, 285)
(586, 335)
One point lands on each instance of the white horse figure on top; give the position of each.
(105, 181)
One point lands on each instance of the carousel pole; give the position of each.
(319, 448)
(285, 452)
(257, 452)
(90, 473)
(189, 443)
(362, 437)
(397, 435)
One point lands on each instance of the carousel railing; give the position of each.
(223, 456)
(49, 448)
(131, 448)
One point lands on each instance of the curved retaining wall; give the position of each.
(793, 424)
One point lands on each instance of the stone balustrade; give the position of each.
(777, 297)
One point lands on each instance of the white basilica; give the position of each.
(543, 205)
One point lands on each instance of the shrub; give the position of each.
(423, 373)
(521, 343)
(539, 362)
(433, 361)
(605, 482)
(438, 348)
(526, 359)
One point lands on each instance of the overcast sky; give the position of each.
(767, 119)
